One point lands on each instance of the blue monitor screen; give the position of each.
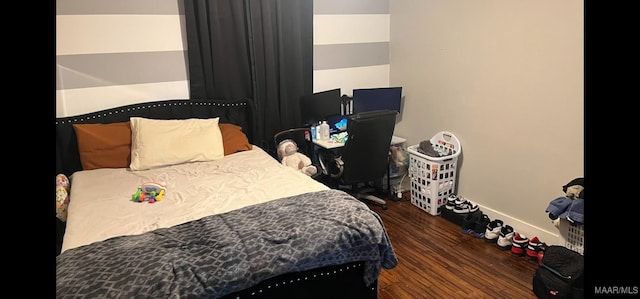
(337, 123)
(369, 99)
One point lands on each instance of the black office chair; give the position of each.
(302, 137)
(365, 156)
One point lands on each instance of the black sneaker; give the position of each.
(481, 226)
(469, 222)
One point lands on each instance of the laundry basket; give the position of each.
(434, 178)
(573, 235)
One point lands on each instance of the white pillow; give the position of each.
(161, 142)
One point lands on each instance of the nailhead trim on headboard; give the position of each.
(145, 106)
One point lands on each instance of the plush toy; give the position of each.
(575, 188)
(289, 156)
(62, 196)
(149, 192)
(570, 206)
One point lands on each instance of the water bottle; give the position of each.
(324, 131)
(314, 134)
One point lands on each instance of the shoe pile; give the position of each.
(474, 222)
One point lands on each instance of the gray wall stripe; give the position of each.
(119, 7)
(93, 70)
(346, 7)
(350, 55)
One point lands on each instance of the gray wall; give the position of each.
(505, 76)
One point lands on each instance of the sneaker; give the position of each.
(466, 207)
(469, 222)
(451, 201)
(460, 200)
(481, 225)
(534, 247)
(519, 244)
(492, 231)
(505, 240)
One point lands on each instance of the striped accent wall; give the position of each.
(350, 44)
(120, 52)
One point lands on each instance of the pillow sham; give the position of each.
(104, 145)
(162, 142)
(233, 139)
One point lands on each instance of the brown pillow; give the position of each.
(233, 139)
(104, 145)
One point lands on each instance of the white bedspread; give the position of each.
(100, 204)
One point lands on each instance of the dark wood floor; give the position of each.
(436, 260)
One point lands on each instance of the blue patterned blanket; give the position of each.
(220, 254)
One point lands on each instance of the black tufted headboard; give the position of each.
(238, 112)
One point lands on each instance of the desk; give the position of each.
(328, 144)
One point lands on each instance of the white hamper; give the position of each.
(573, 236)
(434, 178)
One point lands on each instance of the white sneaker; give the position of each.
(505, 240)
(492, 232)
(451, 201)
(466, 207)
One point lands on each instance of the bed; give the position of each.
(232, 225)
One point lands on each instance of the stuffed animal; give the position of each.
(570, 206)
(289, 156)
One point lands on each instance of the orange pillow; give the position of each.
(233, 139)
(104, 145)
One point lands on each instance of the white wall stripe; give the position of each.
(84, 100)
(351, 78)
(340, 29)
(87, 34)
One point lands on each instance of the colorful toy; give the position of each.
(150, 192)
(62, 196)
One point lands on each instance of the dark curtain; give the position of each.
(257, 49)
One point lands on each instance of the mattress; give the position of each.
(101, 205)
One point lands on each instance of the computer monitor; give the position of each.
(383, 98)
(320, 105)
(337, 123)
